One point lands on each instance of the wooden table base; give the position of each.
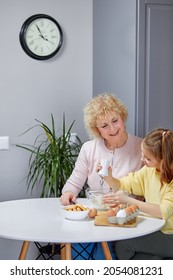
(106, 250)
(24, 250)
(66, 253)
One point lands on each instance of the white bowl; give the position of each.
(76, 215)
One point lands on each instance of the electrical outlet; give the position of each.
(4, 142)
(73, 138)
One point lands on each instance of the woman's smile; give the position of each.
(114, 134)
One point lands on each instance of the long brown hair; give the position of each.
(159, 143)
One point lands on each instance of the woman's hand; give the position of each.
(67, 197)
(98, 167)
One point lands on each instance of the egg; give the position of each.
(134, 207)
(121, 216)
(92, 213)
(121, 206)
(121, 213)
(110, 213)
(116, 209)
(128, 211)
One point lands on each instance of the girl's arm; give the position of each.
(148, 208)
(121, 197)
(112, 182)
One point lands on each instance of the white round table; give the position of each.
(42, 220)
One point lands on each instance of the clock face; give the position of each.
(41, 37)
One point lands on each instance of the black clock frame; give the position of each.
(22, 37)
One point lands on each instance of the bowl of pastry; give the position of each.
(76, 212)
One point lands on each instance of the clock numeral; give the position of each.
(52, 30)
(32, 30)
(31, 43)
(53, 44)
(36, 48)
(42, 23)
(30, 36)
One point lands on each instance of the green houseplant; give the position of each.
(52, 158)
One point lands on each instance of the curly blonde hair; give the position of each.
(98, 107)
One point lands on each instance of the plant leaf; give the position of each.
(51, 160)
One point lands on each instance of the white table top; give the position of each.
(41, 220)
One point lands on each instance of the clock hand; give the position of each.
(48, 41)
(41, 35)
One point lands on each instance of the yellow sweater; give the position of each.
(146, 182)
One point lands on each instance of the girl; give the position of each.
(155, 182)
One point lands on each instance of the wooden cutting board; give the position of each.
(101, 220)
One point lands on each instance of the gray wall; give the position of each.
(32, 89)
(98, 54)
(114, 52)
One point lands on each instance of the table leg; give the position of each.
(68, 251)
(24, 250)
(106, 250)
(63, 251)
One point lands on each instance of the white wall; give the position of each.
(114, 52)
(32, 89)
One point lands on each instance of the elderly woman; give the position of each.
(104, 117)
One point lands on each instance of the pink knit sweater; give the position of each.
(123, 161)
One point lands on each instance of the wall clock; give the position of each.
(41, 36)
